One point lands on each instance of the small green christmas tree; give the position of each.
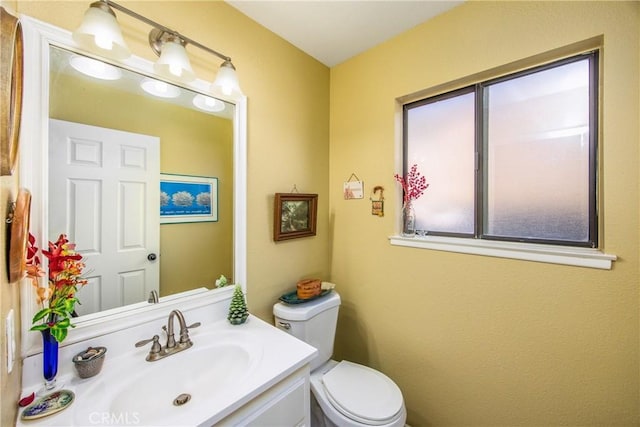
(221, 281)
(238, 312)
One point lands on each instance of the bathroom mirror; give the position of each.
(192, 143)
(110, 209)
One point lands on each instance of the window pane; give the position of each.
(537, 156)
(440, 140)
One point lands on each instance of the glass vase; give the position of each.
(408, 220)
(49, 360)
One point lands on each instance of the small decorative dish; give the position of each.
(89, 362)
(292, 297)
(48, 405)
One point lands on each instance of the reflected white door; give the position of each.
(104, 193)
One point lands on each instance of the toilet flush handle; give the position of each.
(284, 325)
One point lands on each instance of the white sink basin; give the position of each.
(145, 393)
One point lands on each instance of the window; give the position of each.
(511, 159)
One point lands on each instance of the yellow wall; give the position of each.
(9, 299)
(473, 340)
(192, 143)
(10, 383)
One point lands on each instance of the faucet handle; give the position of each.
(156, 348)
(195, 325)
(184, 334)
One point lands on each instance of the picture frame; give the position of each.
(295, 215)
(353, 190)
(188, 198)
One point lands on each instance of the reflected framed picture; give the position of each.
(186, 198)
(294, 215)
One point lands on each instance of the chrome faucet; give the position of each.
(157, 351)
(153, 297)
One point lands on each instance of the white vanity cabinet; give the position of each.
(285, 405)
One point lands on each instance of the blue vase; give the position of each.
(49, 359)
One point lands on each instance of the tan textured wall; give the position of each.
(10, 383)
(9, 299)
(472, 340)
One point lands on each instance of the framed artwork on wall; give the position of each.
(294, 215)
(185, 198)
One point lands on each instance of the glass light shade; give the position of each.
(174, 62)
(94, 68)
(160, 89)
(207, 103)
(99, 33)
(227, 79)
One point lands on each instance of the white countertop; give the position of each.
(277, 355)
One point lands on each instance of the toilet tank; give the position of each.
(313, 322)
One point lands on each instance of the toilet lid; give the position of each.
(362, 394)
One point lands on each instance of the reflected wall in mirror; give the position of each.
(102, 208)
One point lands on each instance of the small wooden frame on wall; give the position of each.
(294, 215)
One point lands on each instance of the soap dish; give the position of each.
(89, 362)
(292, 297)
(48, 405)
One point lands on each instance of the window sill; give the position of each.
(581, 257)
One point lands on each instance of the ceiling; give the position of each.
(333, 31)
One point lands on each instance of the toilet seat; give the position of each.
(362, 394)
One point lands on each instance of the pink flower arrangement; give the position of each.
(413, 185)
(58, 298)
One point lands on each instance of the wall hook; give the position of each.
(377, 202)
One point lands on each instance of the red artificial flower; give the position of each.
(58, 296)
(414, 185)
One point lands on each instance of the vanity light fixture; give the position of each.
(99, 33)
(227, 79)
(174, 62)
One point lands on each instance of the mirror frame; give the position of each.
(38, 37)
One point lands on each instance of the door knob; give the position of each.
(152, 257)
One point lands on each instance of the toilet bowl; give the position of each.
(347, 394)
(344, 394)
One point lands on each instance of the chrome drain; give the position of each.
(181, 399)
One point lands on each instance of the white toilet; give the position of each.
(344, 394)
